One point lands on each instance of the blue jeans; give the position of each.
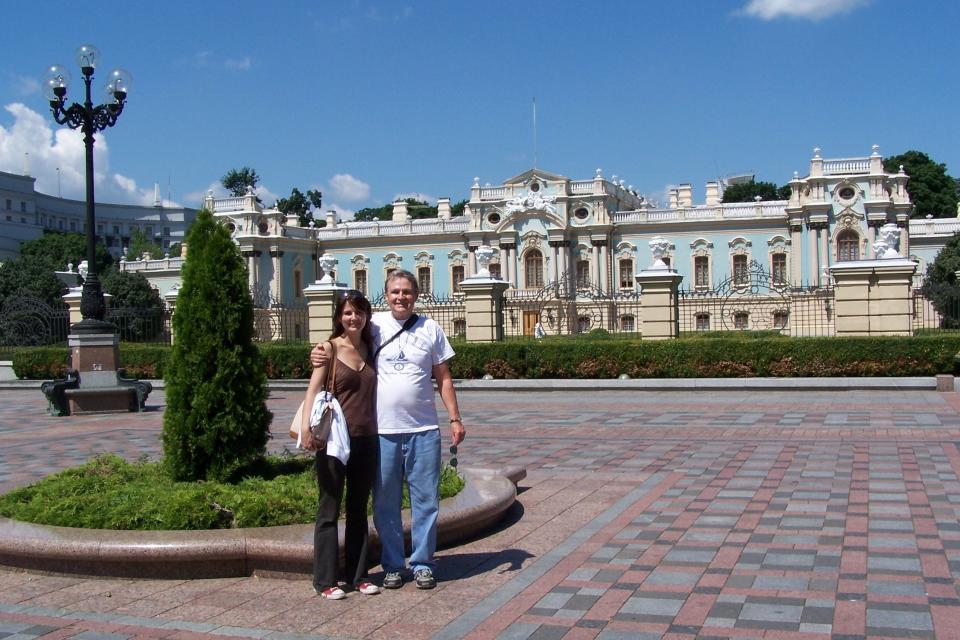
(415, 456)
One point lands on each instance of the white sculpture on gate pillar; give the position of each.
(885, 248)
(484, 255)
(659, 247)
(327, 263)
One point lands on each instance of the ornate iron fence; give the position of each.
(447, 311)
(942, 316)
(753, 301)
(141, 325)
(27, 321)
(276, 321)
(569, 307)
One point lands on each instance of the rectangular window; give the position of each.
(456, 276)
(741, 320)
(23, 207)
(495, 270)
(116, 229)
(60, 224)
(9, 204)
(100, 229)
(626, 273)
(740, 274)
(779, 268)
(583, 273)
(360, 281)
(297, 284)
(423, 279)
(73, 225)
(703, 322)
(701, 272)
(166, 231)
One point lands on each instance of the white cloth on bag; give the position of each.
(338, 441)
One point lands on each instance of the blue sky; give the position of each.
(368, 101)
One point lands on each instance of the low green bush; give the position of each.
(595, 356)
(110, 493)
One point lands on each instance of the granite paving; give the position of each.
(701, 514)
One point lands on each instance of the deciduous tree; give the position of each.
(931, 190)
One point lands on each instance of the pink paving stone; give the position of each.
(850, 617)
(934, 566)
(580, 633)
(694, 611)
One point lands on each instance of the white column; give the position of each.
(275, 282)
(796, 255)
(512, 264)
(554, 262)
(813, 271)
(563, 265)
(595, 266)
(871, 238)
(824, 248)
(471, 262)
(905, 240)
(604, 266)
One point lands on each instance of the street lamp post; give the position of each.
(89, 119)
(95, 383)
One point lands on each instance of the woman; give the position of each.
(355, 383)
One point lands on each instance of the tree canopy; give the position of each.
(140, 244)
(418, 209)
(302, 205)
(748, 191)
(940, 285)
(236, 181)
(32, 274)
(931, 190)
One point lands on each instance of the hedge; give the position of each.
(592, 358)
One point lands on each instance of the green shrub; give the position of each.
(41, 363)
(216, 421)
(110, 493)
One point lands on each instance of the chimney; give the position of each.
(400, 213)
(443, 208)
(157, 202)
(713, 194)
(685, 195)
(672, 198)
(331, 219)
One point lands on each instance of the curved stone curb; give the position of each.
(230, 552)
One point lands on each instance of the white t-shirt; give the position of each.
(405, 398)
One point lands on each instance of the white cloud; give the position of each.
(55, 157)
(422, 197)
(346, 187)
(343, 213)
(802, 9)
(241, 64)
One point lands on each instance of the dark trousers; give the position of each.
(358, 474)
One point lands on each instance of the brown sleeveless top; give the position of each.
(357, 393)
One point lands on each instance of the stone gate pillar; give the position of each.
(874, 297)
(322, 301)
(659, 299)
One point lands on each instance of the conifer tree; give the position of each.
(216, 421)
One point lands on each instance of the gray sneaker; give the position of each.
(424, 579)
(392, 580)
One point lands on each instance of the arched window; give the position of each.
(848, 246)
(533, 269)
(778, 263)
(360, 281)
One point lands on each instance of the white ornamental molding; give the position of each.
(532, 240)
(531, 201)
(885, 247)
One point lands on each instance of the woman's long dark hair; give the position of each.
(361, 304)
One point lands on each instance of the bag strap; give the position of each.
(328, 384)
(412, 320)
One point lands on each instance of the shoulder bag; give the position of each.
(321, 417)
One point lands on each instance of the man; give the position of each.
(408, 353)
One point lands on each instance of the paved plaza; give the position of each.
(707, 514)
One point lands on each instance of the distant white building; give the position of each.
(25, 213)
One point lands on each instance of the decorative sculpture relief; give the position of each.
(531, 201)
(484, 254)
(885, 247)
(659, 247)
(327, 263)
